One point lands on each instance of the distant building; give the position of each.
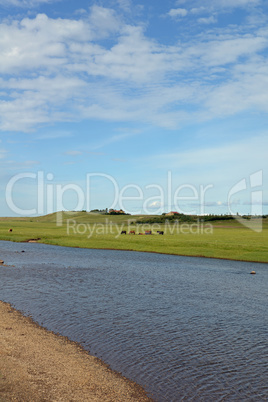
(172, 213)
(116, 212)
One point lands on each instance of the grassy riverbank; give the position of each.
(221, 239)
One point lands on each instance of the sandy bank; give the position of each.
(37, 365)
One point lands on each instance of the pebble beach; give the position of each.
(38, 365)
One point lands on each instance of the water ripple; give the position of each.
(186, 329)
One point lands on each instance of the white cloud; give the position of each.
(38, 43)
(3, 153)
(236, 3)
(53, 135)
(8, 167)
(125, 4)
(177, 12)
(30, 163)
(110, 140)
(215, 7)
(201, 5)
(73, 153)
(155, 204)
(24, 3)
(103, 21)
(208, 20)
(229, 50)
(198, 10)
(63, 70)
(236, 159)
(249, 91)
(31, 102)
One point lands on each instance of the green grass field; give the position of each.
(223, 239)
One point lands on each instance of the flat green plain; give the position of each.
(220, 239)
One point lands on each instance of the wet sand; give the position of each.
(38, 365)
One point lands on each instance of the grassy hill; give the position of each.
(79, 216)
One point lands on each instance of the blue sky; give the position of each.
(162, 102)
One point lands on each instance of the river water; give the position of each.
(186, 329)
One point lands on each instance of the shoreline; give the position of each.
(140, 251)
(37, 364)
(162, 253)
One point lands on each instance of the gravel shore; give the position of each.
(38, 365)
